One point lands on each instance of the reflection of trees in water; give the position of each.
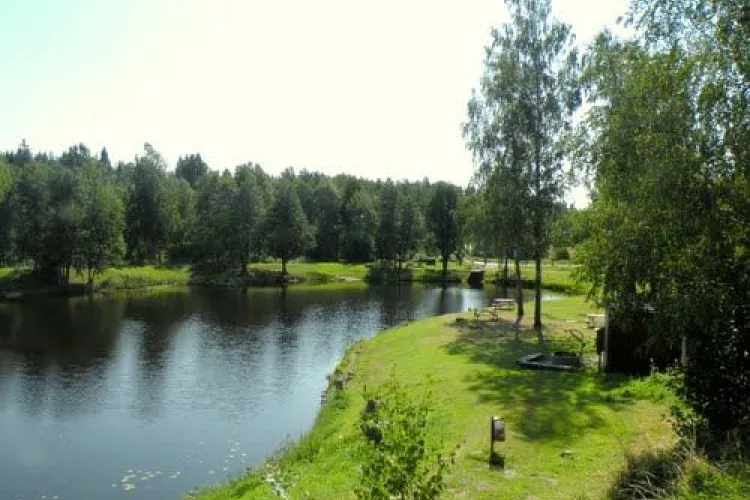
(412, 302)
(64, 347)
(240, 339)
(399, 303)
(234, 308)
(159, 317)
(452, 299)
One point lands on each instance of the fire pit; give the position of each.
(563, 361)
(560, 360)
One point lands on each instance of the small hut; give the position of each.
(627, 343)
(476, 278)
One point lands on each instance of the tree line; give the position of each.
(77, 211)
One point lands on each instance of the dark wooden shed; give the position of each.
(627, 343)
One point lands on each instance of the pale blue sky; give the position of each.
(378, 89)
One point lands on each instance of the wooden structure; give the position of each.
(503, 303)
(476, 278)
(593, 319)
(625, 345)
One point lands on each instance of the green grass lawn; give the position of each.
(128, 277)
(317, 271)
(139, 277)
(557, 276)
(570, 435)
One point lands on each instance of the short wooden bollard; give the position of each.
(497, 433)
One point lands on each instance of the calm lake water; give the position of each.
(149, 396)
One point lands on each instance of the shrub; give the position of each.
(398, 459)
(560, 253)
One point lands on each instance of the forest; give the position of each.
(76, 211)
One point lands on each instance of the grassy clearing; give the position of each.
(130, 277)
(140, 277)
(318, 271)
(556, 277)
(570, 435)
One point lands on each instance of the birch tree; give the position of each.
(517, 118)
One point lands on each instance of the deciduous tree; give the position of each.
(525, 102)
(444, 223)
(286, 227)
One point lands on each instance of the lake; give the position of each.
(148, 396)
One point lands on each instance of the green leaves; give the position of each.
(400, 458)
(359, 221)
(223, 219)
(671, 186)
(286, 229)
(444, 222)
(100, 241)
(516, 122)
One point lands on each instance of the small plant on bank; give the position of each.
(399, 460)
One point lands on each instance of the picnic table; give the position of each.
(501, 303)
(494, 308)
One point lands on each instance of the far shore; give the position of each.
(19, 284)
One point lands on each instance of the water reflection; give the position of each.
(175, 381)
(61, 349)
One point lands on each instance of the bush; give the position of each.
(385, 272)
(398, 459)
(560, 253)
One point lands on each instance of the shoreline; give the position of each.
(18, 285)
(619, 412)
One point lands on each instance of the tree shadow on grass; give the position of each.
(540, 404)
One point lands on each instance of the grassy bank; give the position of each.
(141, 277)
(113, 278)
(556, 277)
(570, 435)
(135, 277)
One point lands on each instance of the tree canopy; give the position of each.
(516, 122)
(77, 212)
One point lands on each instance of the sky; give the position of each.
(375, 89)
